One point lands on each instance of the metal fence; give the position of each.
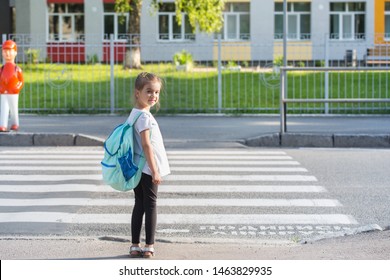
(226, 77)
(341, 89)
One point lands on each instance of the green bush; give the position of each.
(92, 59)
(278, 61)
(183, 58)
(32, 56)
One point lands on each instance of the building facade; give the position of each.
(253, 29)
(6, 16)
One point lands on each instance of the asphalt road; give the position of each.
(359, 178)
(355, 178)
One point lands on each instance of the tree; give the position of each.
(206, 15)
(133, 53)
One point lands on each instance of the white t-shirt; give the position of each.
(144, 122)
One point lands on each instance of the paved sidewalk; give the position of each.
(365, 246)
(214, 130)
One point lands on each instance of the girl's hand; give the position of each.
(156, 179)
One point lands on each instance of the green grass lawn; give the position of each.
(53, 88)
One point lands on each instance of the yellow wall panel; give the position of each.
(234, 51)
(295, 51)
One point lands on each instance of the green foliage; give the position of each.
(278, 61)
(122, 7)
(32, 56)
(204, 14)
(92, 59)
(231, 63)
(182, 58)
(320, 63)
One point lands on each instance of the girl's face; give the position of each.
(149, 95)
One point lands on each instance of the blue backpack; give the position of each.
(118, 167)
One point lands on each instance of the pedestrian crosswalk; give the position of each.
(227, 193)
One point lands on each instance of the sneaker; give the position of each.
(3, 129)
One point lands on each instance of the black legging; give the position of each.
(145, 202)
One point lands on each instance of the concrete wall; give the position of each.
(94, 28)
(31, 17)
(31, 22)
(262, 29)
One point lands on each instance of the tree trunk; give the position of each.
(133, 52)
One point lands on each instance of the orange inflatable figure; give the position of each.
(11, 82)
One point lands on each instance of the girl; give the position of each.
(149, 140)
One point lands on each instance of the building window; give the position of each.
(236, 18)
(115, 23)
(66, 22)
(169, 29)
(387, 20)
(298, 21)
(347, 20)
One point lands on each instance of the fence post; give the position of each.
(283, 105)
(326, 73)
(112, 80)
(285, 33)
(283, 80)
(219, 75)
(4, 38)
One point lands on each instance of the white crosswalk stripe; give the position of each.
(173, 169)
(173, 202)
(226, 186)
(171, 178)
(229, 219)
(168, 188)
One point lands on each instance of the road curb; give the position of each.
(48, 139)
(267, 140)
(336, 140)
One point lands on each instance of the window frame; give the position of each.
(117, 35)
(342, 18)
(171, 36)
(60, 36)
(231, 13)
(292, 12)
(387, 15)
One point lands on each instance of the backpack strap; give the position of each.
(136, 118)
(125, 128)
